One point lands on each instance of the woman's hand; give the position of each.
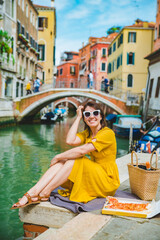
(54, 161)
(79, 111)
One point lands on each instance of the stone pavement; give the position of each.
(93, 226)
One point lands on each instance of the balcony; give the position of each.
(7, 62)
(22, 40)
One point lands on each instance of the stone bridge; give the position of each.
(32, 104)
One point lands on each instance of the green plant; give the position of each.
(5, 41)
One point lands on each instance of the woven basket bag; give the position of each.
(143, 183)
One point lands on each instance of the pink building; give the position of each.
(94, 57)
(67, 71)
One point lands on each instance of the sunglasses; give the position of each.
(94, 113)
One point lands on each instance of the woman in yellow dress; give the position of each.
(83, 177)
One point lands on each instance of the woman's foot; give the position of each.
(44, 198)
(25, 201)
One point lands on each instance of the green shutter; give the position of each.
(127, 58)
(133, 58)
(135, 37)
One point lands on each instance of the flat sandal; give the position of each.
(18, 205)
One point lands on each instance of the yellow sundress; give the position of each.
(97, 175)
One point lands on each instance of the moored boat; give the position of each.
(123, 124)
(150, 141)
(49, 117)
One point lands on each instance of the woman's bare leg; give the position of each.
(59, 178)
(43, 182)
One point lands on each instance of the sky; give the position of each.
(77, 20)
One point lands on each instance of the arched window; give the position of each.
(130, 58)
(130, 80)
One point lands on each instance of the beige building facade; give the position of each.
(27, 44)
(127, 68)
(46, 41)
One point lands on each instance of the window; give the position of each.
(27, 35)
(130, 58)
(130, 80)
(33, 20)
(103, 52)
(57, 72)
(110, 51)
(8, 87)
(21, 89)
(18, 28)
(12, 8)
(17, 89)
(72, 70)
(157, 88)
(118, 62)
(23, 5)
(43, 76)
(103, 67)
(118, 42)
(159, 32)
(121, 38)
(23, 30)
(109, 68)
(132, 37)
(150, 88)
(114, 47)
(26, 10)
(30, 16)
(41, 50)
(42, 23)
(61, 71)
(71, 84)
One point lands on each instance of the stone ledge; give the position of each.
(45, 214)
(84, 226)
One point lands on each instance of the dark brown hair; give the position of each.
(96, 106)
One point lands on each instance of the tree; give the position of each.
(113, 29)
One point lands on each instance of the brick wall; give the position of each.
(32, 231)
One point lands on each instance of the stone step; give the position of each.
(82, 227)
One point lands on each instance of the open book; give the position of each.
(131, 207)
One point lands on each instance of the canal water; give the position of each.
(25, 154)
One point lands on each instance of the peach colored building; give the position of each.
(157, 28)
(94, 57)
(67, 71)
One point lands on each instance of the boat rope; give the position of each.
(151, 119)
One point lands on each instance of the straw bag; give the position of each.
(143, 183)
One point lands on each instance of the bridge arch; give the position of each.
(39, 104)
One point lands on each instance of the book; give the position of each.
(131, 207)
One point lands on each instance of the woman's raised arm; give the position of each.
(71, 138)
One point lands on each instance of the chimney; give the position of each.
(52, 3)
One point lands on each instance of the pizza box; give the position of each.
(152, 209)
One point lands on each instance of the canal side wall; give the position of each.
(6, 112)
(47, 221)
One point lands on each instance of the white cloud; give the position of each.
(61, 4)
(93, 2)
(78, 13)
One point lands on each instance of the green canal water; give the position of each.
(25, 154)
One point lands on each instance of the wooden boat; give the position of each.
(123, 123)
